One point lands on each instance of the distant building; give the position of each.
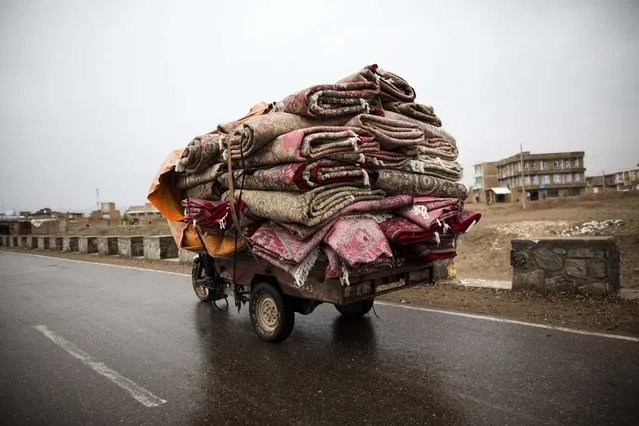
(594, 184)
(484, 180)
(627, 180)
(107, 212)
(146, 211)
(551, 175)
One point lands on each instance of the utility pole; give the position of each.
(523, 189)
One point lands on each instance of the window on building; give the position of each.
(526, 165)
(577, 177)
(527, 180)
(575, 163)
(544, 165)
(557, 179)
(478, 169)
(552, 193)
(478, 182)
(534, 165)
(546, 178)
(574, 192)
(535, 179)
(567, 164)
(568, 178)
(557, 163)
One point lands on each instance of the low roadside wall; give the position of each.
(579, 265)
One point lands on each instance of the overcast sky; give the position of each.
(95, 94)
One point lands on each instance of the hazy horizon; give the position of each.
(96, 94)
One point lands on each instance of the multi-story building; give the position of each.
(552, 175)
(627, 180)
(484, 179)
(597, 184)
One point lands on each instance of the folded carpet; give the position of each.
(313, 143)
(396, 182)
(420, 112)
(330, 100)
(392, 87)
(308, 208)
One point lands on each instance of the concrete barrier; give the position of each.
(56, 243)
(186, 256)
(70, 244)
(32, 242)
(88, 244)
(108, 246)
(131, 246)
(160, 247)
(586, 265)
(43, 243)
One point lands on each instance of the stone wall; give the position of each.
(88, 244)
(108, 246)
(44, 243)
(587, 265)
(32, 242)
(70, 244)
(131, 246)
(160, 247)
(56, 243)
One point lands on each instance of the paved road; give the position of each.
(409, 367)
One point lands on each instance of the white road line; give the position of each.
(100, 263)
(510, 321)
(140, 394)
(389, 304)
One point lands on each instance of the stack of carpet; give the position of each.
(355, 174)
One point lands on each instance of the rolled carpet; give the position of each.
(390, 133)
(298, 176)
(377, 208)
(210, 191)
(428, 211)
(423, 113)
(401, 231)
(396, 182)
(430, 131)
(259, 130)
(392, 87)
(313, 143)
(214, 216)
(201, 153)
(308, 208)
(426, 165)
(434, 148)
(208, 175)
(330, 100)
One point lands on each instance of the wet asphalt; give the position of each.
(407, 367)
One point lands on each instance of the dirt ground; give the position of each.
(484, 253)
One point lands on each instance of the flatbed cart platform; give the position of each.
(274, 297)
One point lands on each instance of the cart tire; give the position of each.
(271, 315)
(202, 293)
(356, 309)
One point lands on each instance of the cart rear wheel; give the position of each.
(356, 309)
(203, 293)
(272, 316)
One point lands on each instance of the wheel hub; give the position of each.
(267, 313)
